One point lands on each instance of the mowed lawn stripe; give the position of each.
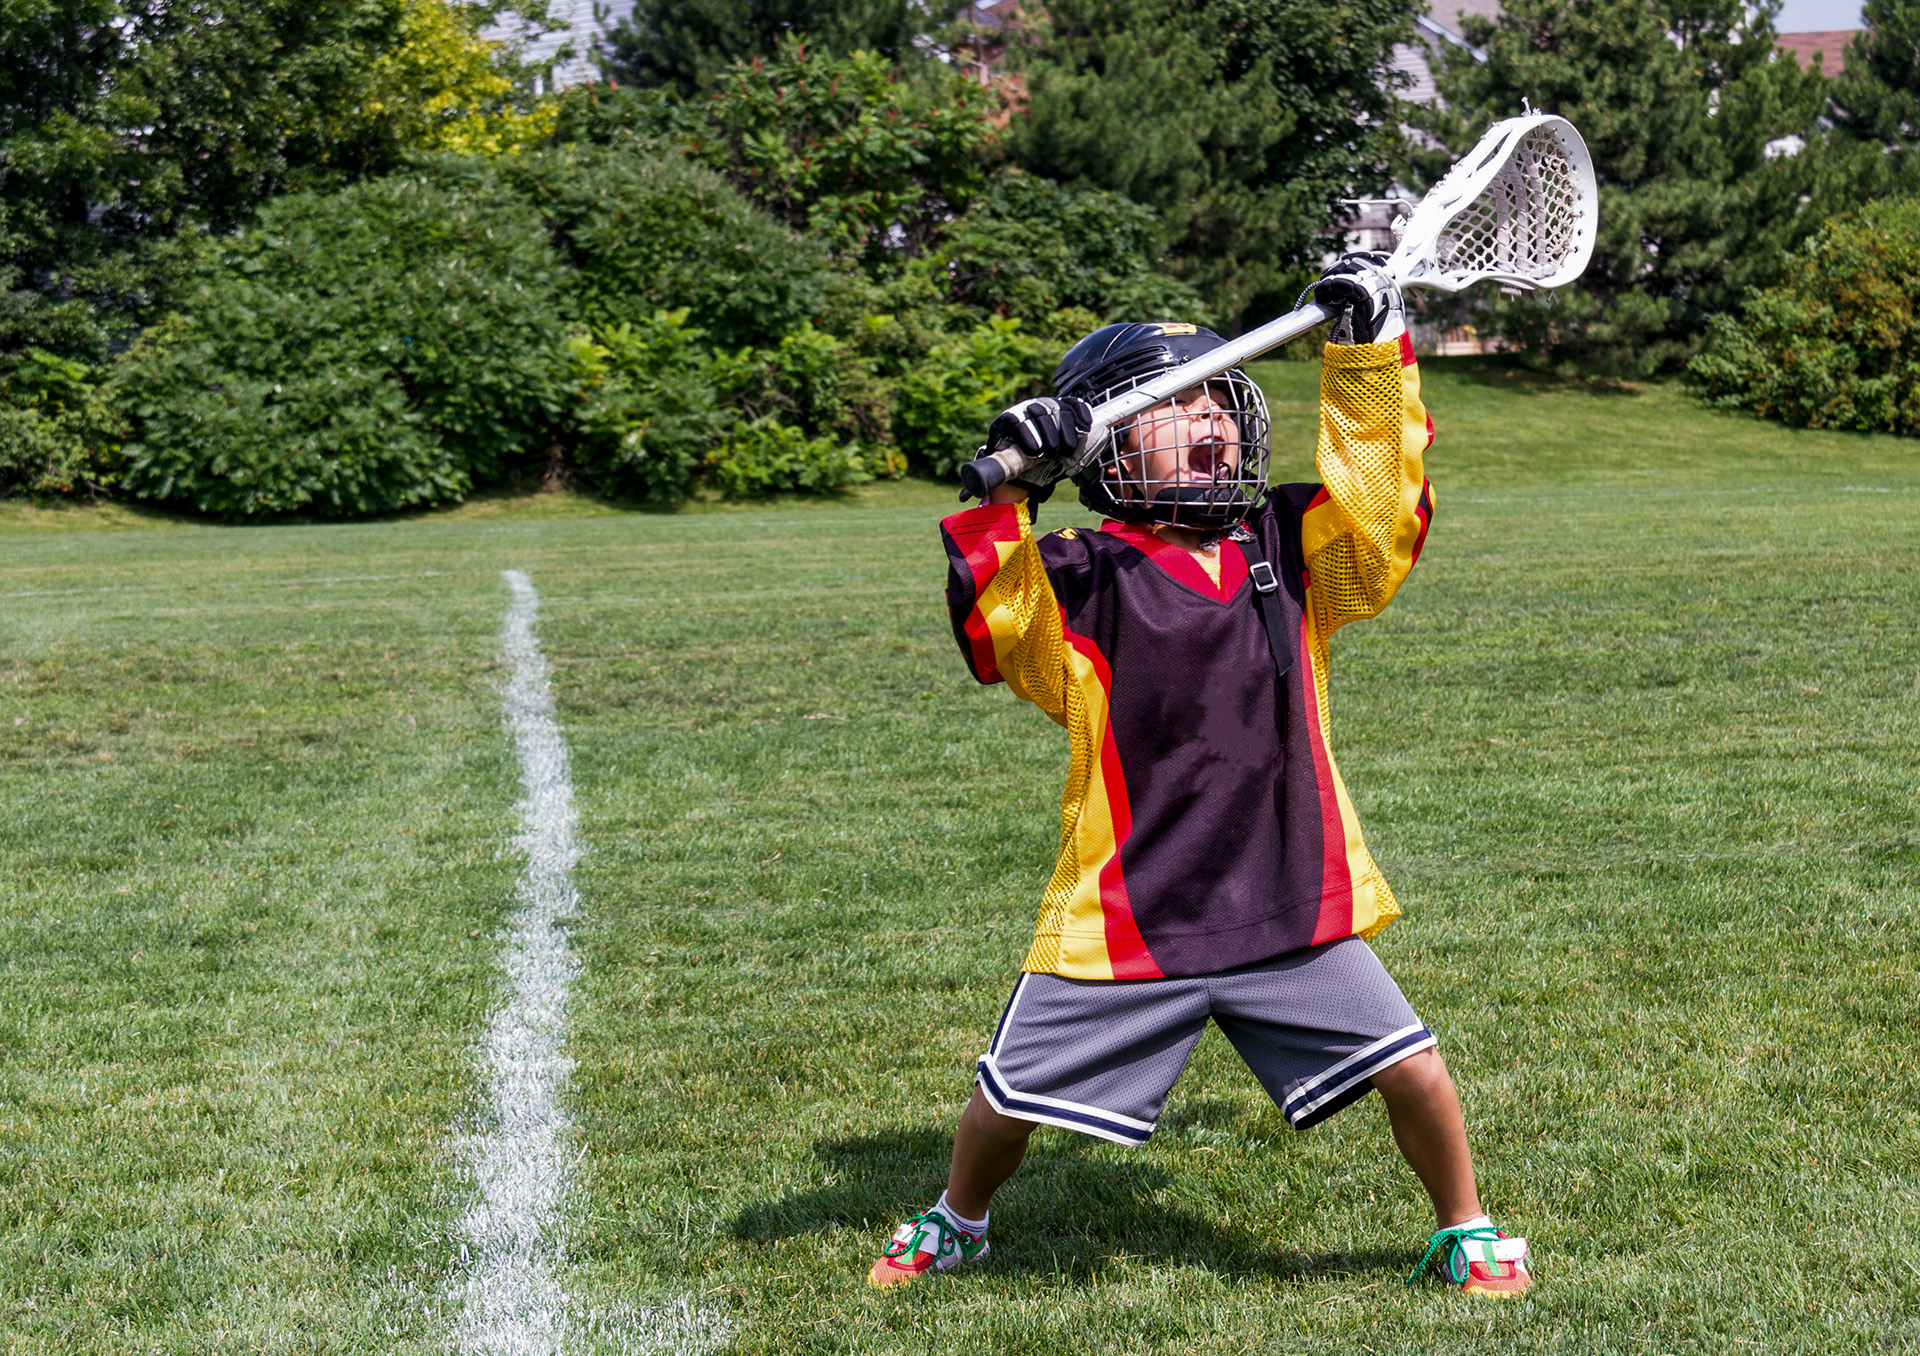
(249, 872)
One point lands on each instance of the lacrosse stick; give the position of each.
(1519, 210)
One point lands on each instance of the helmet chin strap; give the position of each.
(1230, 501)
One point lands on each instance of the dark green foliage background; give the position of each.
(1678, 103)
(687, 44)
(1239, 122)
(802, 252)
(376, 349)
(1835, 345)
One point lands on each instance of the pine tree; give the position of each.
(1241, 122)
(1876, 97)
(685, 44)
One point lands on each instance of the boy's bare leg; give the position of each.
(986, 1149)
(1431, 1132)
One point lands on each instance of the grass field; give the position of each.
(1636, 745)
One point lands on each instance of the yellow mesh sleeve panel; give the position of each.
(1386, 907)
(1318, 644)
(1039, 665)
(1044, 955)
(1359, 538)
(1359, 541)
(1023, 617)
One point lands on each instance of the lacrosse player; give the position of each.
(1210, 864)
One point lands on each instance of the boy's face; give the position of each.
(1193, 439)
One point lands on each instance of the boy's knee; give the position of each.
(994, 1125)
(1416, 1074)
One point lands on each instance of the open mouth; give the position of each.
(1209, 461)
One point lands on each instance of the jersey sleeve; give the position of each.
(1363, 529)
(1005, 615)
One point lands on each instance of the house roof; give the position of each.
(1830, 47)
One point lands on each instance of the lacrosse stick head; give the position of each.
(1520, 209)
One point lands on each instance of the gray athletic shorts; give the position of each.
(1100, 1056)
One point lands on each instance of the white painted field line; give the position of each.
(512, 1297)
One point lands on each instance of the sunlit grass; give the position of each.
(1635, 745)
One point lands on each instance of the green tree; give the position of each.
(841, 147)
(1241, 122)
(1029, 247)
(124, 121)
(687, 44)
(1684, 105)
(1876, 95)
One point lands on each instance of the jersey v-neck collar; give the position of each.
(1181, 566)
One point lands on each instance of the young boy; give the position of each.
(1210, 864)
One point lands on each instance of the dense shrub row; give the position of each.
(669, 295)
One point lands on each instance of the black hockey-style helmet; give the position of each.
(1117, 358)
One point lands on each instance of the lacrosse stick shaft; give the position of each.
(988, 473)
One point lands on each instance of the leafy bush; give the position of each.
(946, 403)
(1030, 247)
(378, 349)
(652, 411)
(57, 432)
(642, 229)
(662, 409)
(765, 455)
(1836, 344)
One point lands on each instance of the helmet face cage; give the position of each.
(1198, 461)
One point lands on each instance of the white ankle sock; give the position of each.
(976, 1227)
(1477, 1222)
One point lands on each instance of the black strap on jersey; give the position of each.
(1266, 601)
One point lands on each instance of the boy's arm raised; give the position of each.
(1005, 615)
(1362, 532)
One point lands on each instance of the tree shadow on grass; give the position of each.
(1073, 1212)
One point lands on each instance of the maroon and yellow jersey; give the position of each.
(1204, 824)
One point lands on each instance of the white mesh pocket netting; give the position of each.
(1525, 222)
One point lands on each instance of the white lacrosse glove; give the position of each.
(1369, 298)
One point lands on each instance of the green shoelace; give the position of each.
(946, 1237)
(1485, 1233)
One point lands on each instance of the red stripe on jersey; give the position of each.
(980, 642)
(1406, 349)
(977, 532)
(1126, 949)
(1424, 512)
(1336, 878)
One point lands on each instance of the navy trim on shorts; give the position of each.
(1051, 1111)
(1348, 1081)
(1007, 1011)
